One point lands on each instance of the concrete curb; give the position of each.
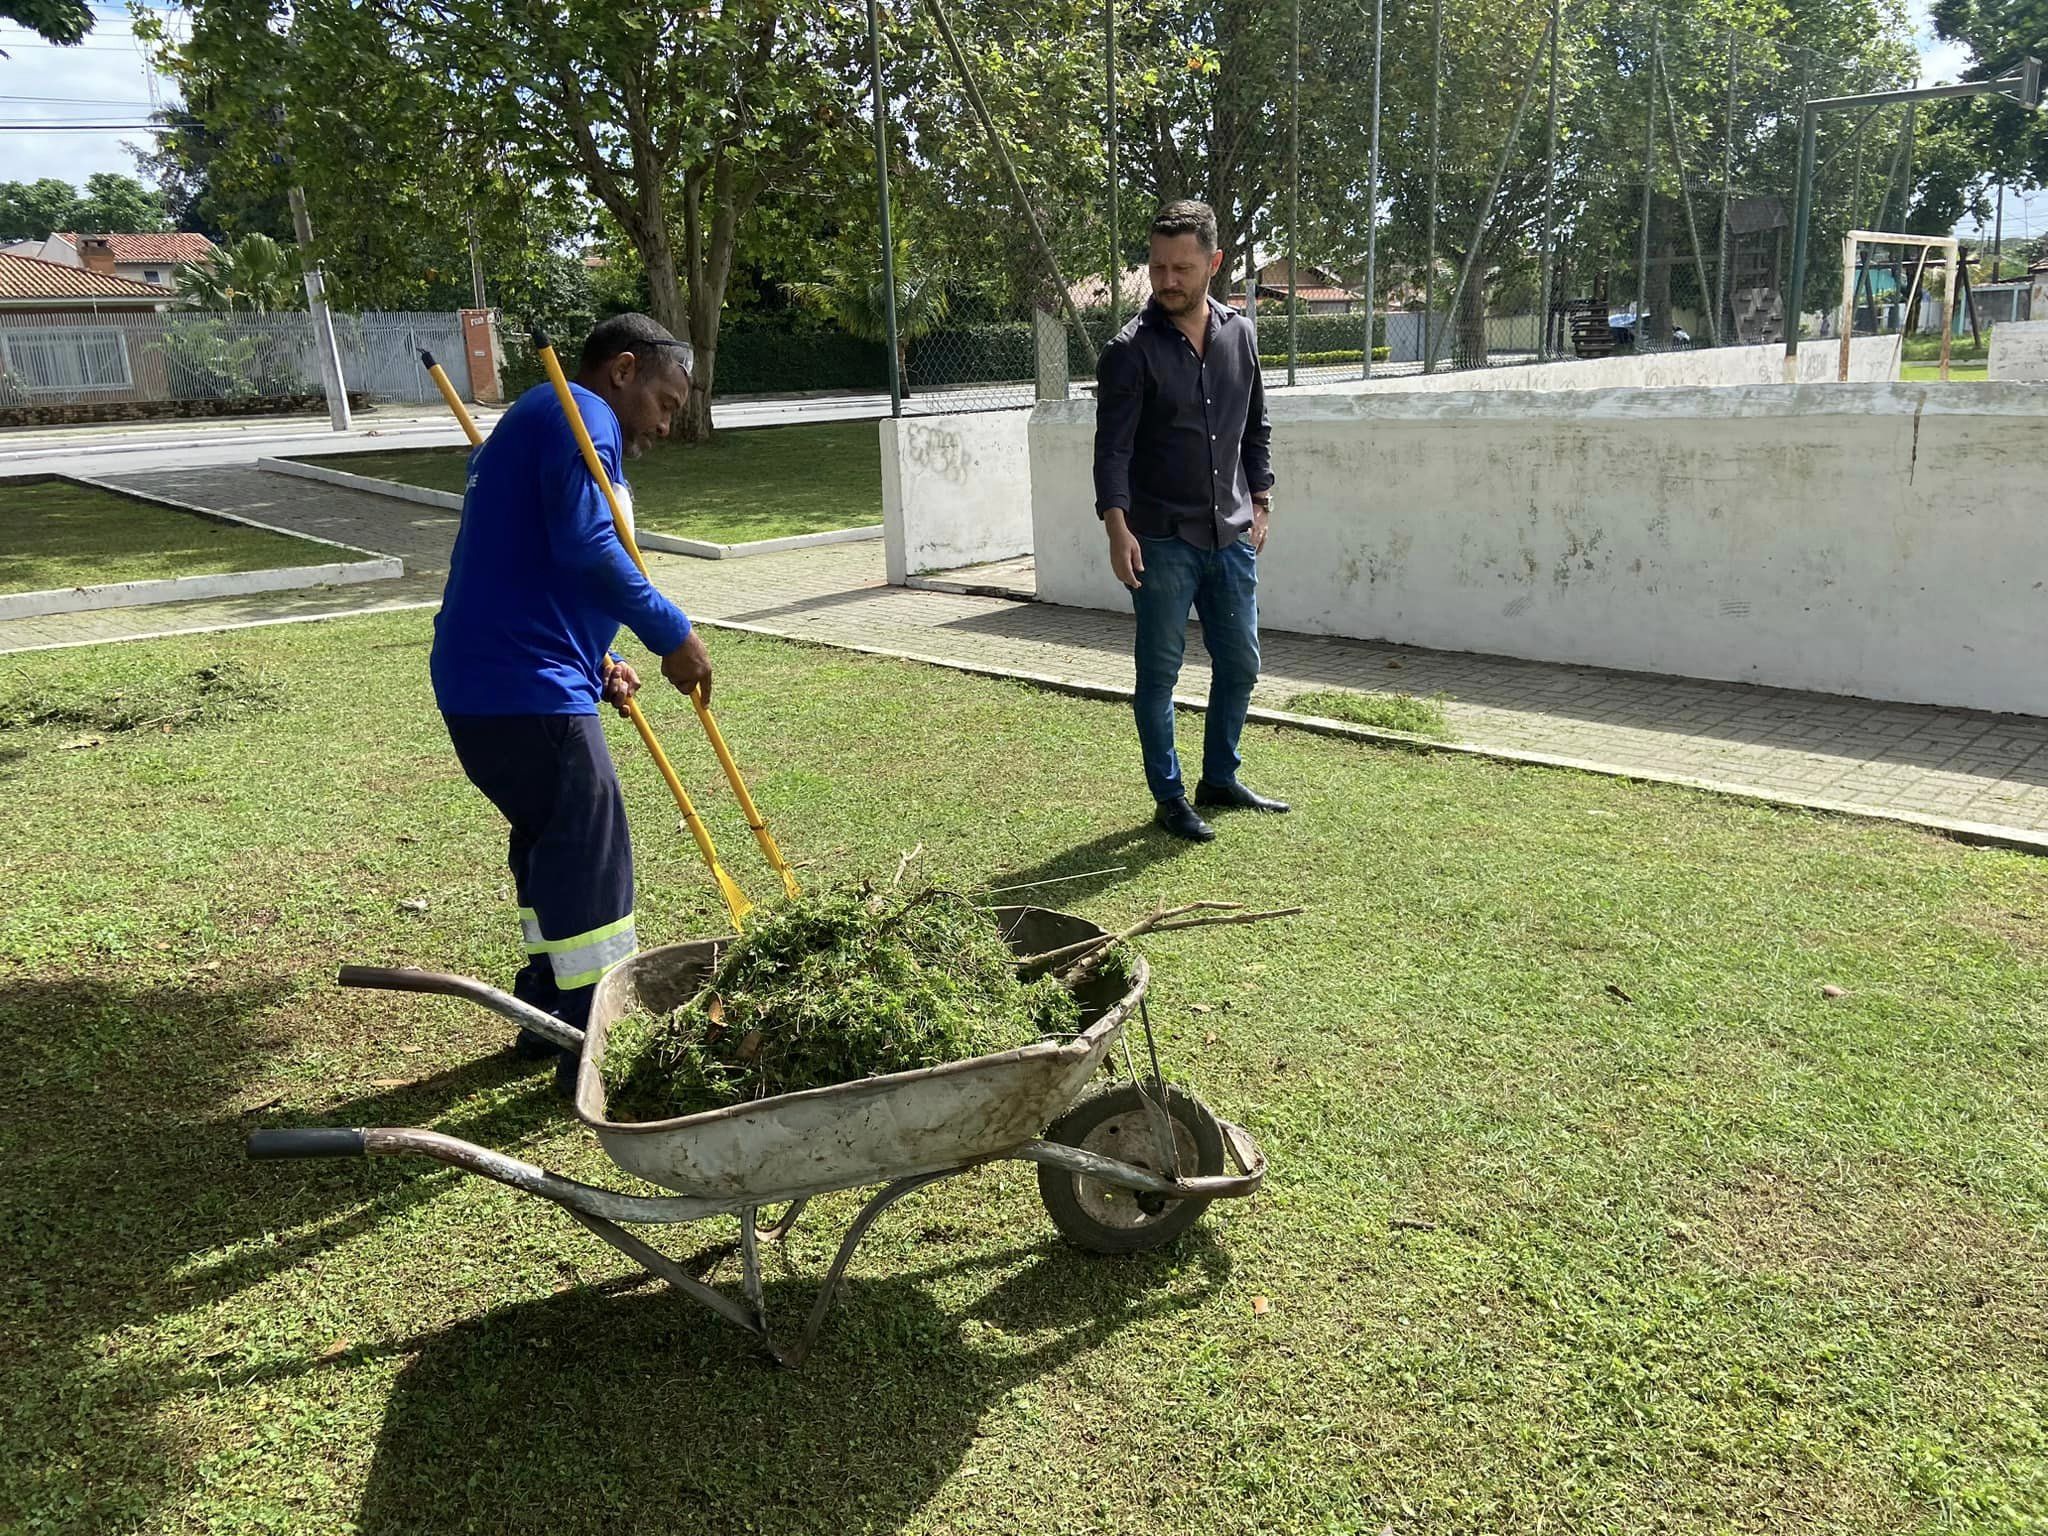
(667, 543)
(188, 589)
(671, 544)
(234, 519)
(1983, 834)
(420, 495)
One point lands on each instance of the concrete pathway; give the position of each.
(1978, 774)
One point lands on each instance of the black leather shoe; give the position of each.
(1236, 795)
(1179, 818)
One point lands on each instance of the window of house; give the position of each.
(67, 359)
(152, 277)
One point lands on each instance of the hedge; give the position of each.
(778, 360)
(763, 361)
(1320, 359)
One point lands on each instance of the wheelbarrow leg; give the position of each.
(750, 1264)
(665, 1268)
(885, 1197)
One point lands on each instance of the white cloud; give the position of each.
(103, 80)
(1941, 63)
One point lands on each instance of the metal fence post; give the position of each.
(1692, 224)
(1372, 221)
(1649, 177)
(1549, 192)
(881, 114)
(1116, 258)
(1725, 299)
(1294, 187)
(1436, 90)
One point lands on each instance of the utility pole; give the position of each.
(323, 321)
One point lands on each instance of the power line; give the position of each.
(52, 127)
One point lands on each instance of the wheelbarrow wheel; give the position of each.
(1101, 1217)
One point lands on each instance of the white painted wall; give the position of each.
(956, 490)
(2019, 351)
(1872, 360)
(1879, 540)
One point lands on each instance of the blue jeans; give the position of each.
(1221, 588)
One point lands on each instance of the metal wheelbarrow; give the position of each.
(1125, 1169)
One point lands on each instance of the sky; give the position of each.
(104, 81)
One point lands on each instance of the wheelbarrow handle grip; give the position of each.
(316, 1141)
(524, 1014)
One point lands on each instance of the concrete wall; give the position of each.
(2019, 352)
(956, 490)
(1872, 360)
(1876, 540)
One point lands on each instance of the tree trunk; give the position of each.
(1472, 323)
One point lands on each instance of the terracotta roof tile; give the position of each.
(170, 249)
(30, 277)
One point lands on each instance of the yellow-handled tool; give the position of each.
(442, 382)
(755, 821)
(735, 899)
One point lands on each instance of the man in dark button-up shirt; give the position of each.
(1183, 485)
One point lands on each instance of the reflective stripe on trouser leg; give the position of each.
(582, 958)
(529, 931)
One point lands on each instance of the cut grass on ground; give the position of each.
(1378, 711)
(745, 484)
(56, 534)
(1587, 1212)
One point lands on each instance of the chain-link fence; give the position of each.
(153, 357)
(1401, 186)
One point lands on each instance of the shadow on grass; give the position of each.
(583, 1413)
(1088, 869)
(124, 1156)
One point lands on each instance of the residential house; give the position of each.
(62, 330)
(153, 259)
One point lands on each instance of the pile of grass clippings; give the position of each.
(216, 694)
(830, 988)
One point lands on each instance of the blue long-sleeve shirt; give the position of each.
(540, 584)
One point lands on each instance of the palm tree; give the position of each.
(855, 299)
(255, 274)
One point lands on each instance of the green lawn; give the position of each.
(747, 484)
(54, 533)
(1958, 373)
(1589, 1212)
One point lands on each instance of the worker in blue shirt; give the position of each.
(538, 589)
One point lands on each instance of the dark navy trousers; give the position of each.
(551, 777)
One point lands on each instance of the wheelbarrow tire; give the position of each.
(1101, 1218)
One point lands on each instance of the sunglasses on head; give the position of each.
(689, 358)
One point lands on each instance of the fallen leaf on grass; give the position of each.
(1615, 992)
(411, 1050)
(389, 1082)
(1200, 1008)
(262, 1104)
(407, 837)
(1831, 990)
(413, 904)
(335, 1350)
(83, 744)
(1261, 1306)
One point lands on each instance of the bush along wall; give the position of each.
(752, 360)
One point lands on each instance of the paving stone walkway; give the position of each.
(1982, 774)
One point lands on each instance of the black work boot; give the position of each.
(1237, 796)
(1179, 818)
